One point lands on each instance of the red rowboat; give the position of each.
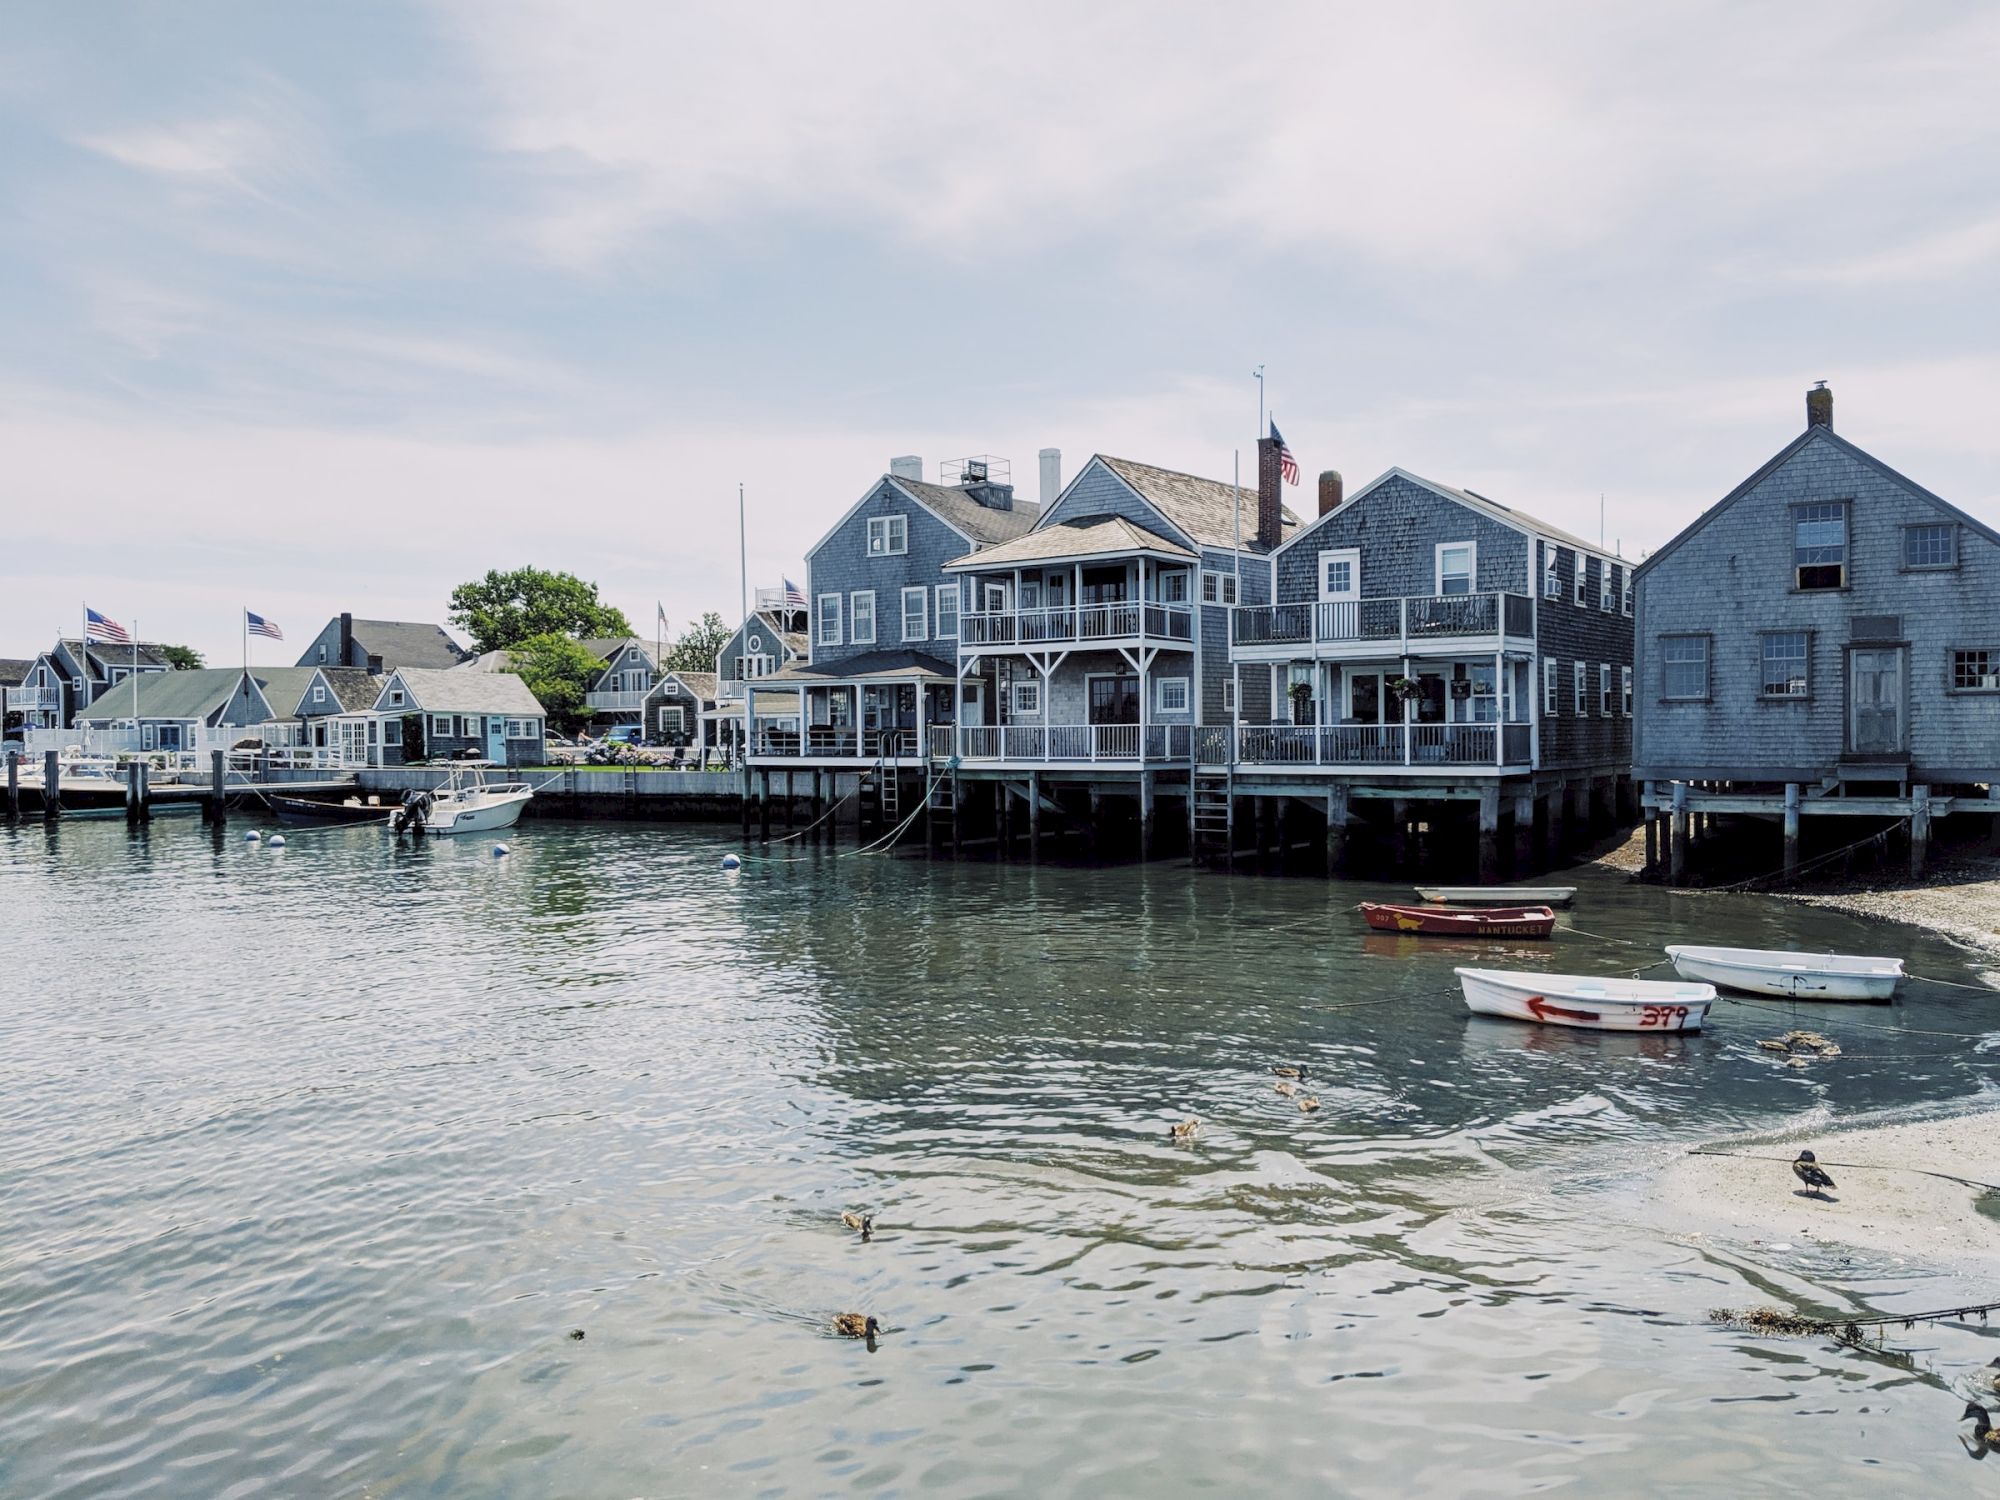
(1461, 922)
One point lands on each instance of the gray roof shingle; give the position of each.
(406, 643)
(1206, 509)
(982, 523)
(1090, 536)
(448, 692)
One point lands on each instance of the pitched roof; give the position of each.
(168, 695)
(1506, 515)
(448, 692)
(982, 523)
(1206, 509)
(284, 687)
(487, 661)
(13, 670)
(700, 684)
(604, 647)
(150, 653)
(794, 640)
(1860, 455)
(405, 643)
(1092, 536)
(873, 665)
(353, 689)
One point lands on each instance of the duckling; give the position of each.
(1308, 1104)
(1291, 1070)
(1187, 1130)
(855, 1326)
(1286, 1087)
(1808, 1171)
(1975, 1430)
(1797, 1062)
(863, 1222)
(1771, 1044)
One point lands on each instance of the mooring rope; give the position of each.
(1849, 1166)
(1785, 874)
(1837, 1021)
(878, 846)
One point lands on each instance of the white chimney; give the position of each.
(1051, 475)
(909, 466)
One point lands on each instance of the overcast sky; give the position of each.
(323, 307)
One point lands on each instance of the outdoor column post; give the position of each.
(1920, 829)
(1791, 830)
(1399, 831)
(13, 785)
(1034, 814)
(51, 786)
(1651, 814)
(1336, 827)
(1524, 830)
(1489, 833)
(218, 779)
(1146, 814)
(1677, 856)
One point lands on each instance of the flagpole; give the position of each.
(135, 675)
(743, 560)
(1259, 373)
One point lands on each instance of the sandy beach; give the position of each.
(1878, 1204)
(1959, 898)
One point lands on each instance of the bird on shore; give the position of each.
(1286, 1087)
(1308, 1104)
(1807, 1170)
(1975, 1430)
(1291, 1070)
(855, 1326)
(1187, 1130)
(863, 1222)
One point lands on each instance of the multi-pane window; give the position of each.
(1337, 576)
(1218, 588)
(1975, 671)
(888, 536)
(1552, 585)
(1930, 545)
(1229, 694)
(861, 617)
(1173, 588)
(1172, 695)
(1454, 567)
(916, 613)
(1580, 688)
(1684, 666)
(1582, 581)
(1027, 698)
(829, 619)
(1604, 690)
(947, 611)
(1625, 688)
(1787, 663)
(1550, 693)
(1819, 545)
(1627, 606)
(441, 725)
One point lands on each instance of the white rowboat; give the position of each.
(1593, 1002)
(1794, 976)
(1498, 895)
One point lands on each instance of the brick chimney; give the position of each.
(1270, 508)
(1819, 406)
(346, 638)
(1330, 491)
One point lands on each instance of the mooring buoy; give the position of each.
(731, 862)
(252, 836)
(275, 841)
(498, 850)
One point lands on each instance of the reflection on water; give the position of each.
(318, 1153)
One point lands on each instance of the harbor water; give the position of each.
(317, 1156)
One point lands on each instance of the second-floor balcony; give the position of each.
(1065, 744)
(1076, 624)
(609, 702)
(1409, 620)
(33, 700)
(1361, 747)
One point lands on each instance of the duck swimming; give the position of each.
(863, 1222)
(1286, 1087)
(1290, 1070)
(855, 1326)
(1975, 1430)
(1807, 1170)
(1308, 1104)
(1187, 1130)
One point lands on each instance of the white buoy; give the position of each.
(731, 862)
(252, 836)
(498, 850)
(275, 841)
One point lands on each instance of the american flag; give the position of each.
(1288, 467)
(261, 626)
(98, 627)
(795, 597)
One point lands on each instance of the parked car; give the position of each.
(626, 734)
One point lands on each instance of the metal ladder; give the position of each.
(1213, 815)
(888, 797)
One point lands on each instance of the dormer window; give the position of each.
(888, 536)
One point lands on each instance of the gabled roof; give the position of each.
(604, 647)
(794, 641)
(13, 670)
(353, 689)
(1506, 515)
(448, 692)
(406, 643)
(1205, 510)
(1090, 536)
(167, 695)
(284, 687)
(486, 661)
(105, 656)
(981, 525)
(700, 685)
(1778, 459)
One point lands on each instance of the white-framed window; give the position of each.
(1218, 588)
(672, 719)
(1976, 671)
(757, 664)
(1604, 690)
(1626, 606)
(441, 725)
(1229, 694)
(888, 536)
(517, 729)
(319, 692)
(861, 617)
(1582, 591)
(947, 611)
(1173, 587)
(322, 653)
(829, 620)
(147, 739)
(1684, 667)
(1170, 695)
(1606, 599)
(1455, 564)
(1339, 574)
(1625, 689)
(916, 613)
(1580, 688)
(1027, 699)
(1552, 584)
(396, 698)
(754, 641)
(1551, 697)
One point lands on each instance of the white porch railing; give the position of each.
(825, 742)
(615, 702)
(34, 700)
(1069, 744)
(1412, 617)
(1360, 746)
(1135, 619)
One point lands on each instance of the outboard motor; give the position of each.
(413, 814)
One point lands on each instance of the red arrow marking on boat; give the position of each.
(1543, 1010)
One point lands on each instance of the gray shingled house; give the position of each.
(382, 646)
(1823, 641)
(446, 715)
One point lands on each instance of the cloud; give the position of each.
(1944, 253)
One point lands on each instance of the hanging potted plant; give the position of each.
(1406, 689)
(1301, 694)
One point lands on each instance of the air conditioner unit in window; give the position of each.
(1552, 586)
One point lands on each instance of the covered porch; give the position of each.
(853, 713)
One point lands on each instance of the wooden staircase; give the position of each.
(1213, 816)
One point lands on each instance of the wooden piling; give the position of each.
(1678, 847)
(1034, 815)
(1792, 797)
(1524, 831)
(218, 782)
(1146, 791)
(13, 785)
(1920, 830)
(764, 806)
(1489, 833)
(51, 786)
(1336, 828)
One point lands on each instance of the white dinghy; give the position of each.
(1497, 895)
(1593, 1002)
(1794, 976)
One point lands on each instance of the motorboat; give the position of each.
(1592, 1002)
(305, 812)
(1498, 895)
(1793, 976)
(466, 802)
(1473, 922)
(85, 783)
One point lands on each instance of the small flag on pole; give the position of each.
(660, 610)
(103, 628)
(260, 626)
(795, 597)
(1288, 467)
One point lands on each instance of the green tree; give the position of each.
(694, 650)
(182, 658)
(502, 609)
(558, 671)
